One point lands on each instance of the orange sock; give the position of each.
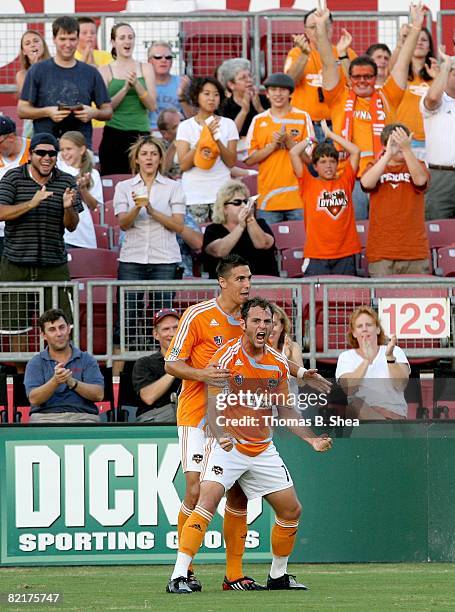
(283, 537)
(234, 529)
(184, 513)
(194, 530)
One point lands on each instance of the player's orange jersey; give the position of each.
(277, 184)
(266, 380)
(202, 329)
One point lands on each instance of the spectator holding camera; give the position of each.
(58, 92)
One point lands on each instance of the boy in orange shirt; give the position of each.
(397, 239)
(332, 239)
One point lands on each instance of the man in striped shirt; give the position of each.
(38, 202)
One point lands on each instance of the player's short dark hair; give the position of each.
(228, 263)
(66, 24)
(377, 47)
(85, 19)
(324, 149)
(253, 303)
(389, 128)
(197, 86)
(305, 17)
(51, 315)
(363, 60)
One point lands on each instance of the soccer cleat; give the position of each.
(193, 582)
(242, 584)
(178, 586)
(286, 581)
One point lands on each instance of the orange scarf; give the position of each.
(377, 118)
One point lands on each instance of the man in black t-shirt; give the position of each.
(155, 388)
(58, 92)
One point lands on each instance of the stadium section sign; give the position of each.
(100, 495)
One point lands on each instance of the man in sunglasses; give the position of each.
(170, 89)
(360, 111)
(37, 202)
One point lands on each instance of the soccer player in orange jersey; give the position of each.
(245, 453)
(204, 328)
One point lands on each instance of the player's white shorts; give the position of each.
(258, 476)
(192, 442)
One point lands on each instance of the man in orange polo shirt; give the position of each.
(303, 64)
(359, 112)
(271, 136)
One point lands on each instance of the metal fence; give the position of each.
(113, 319)
(201, 41)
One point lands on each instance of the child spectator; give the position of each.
(332, 239)
(75, 159)
(397, 240)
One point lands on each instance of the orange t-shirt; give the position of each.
(203, 328)
(306, 95)
(266, 380)
(362, 133)
(409, 111)
(329, 215)
(396, 229)
(277, 183)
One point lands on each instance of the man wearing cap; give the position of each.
(154, 387)
(270, 137)
(58, 92)
(38, 202)
(14, 151)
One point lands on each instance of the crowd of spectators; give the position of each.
(331, 139)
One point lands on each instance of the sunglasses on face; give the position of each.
(364, 77)
(160, 57)
(237, 202)
(44, 152)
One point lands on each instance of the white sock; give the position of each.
(279, 566)
(181, 565)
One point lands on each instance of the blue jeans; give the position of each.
(136, 302)
(343, 265)
(318, 133)
(277, 216)
(361, 201)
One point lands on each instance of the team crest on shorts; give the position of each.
(273, 383)
(218, 470)
(238, 379)
(218, 340)
(197, 458)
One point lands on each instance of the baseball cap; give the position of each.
(206, 150)
(44, 138)
(7, 125)
(280, 79)
(164, 312)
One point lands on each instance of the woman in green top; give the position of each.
(131, 85)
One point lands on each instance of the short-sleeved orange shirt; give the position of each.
(329, 215)
(396, 229)
(202, 329)
(266, 380)
(277, 183)
(409, 111)
(362, 133)
(306, 95)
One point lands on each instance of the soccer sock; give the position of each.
(234, 528)
(283, 539)
(184, 513)
(191, 539)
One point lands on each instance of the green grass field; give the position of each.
(332, 587)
